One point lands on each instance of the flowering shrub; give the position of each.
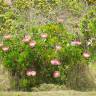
(46, 53)
(41, 56)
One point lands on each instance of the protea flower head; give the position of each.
(7, 37)
(86, 54)
(31, 73)
(56, 74)
(44, 35)
(55, 62)
(26, 39)
(32, 44)
(5, 49)
(75, 42)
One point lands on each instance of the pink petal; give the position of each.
(56, 74)
(78, 42)
(7, 37)
(44, 35)
(31, 73)
(26, 39)
(5, 49)
(55, 62)
(75, 42)
(86, 54)
(32, 43)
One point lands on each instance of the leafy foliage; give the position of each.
(21, 57)
(88, 28)
(91, 1)
(43, 54)
(7, 16)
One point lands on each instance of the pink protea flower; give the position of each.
(7, 37)
(26, 39)
(44, 35)
(75, 42)
(86, 54)
(32, 43)
(5, 49)
(1, 44)
(55, 62)
(60, 20)
(56, 74)
(31, 73)
(78, 42)
(58, 47)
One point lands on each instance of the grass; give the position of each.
(49, 93)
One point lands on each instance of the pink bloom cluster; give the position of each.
(5, 49)
(31, 73)
(32, 44)
(78, 42)
(86, 54)
(75, 42)
(26, 39)
(55, 62)
(44, 35)
(6, 37)
(56, 74)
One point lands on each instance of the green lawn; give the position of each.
(50, 93)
